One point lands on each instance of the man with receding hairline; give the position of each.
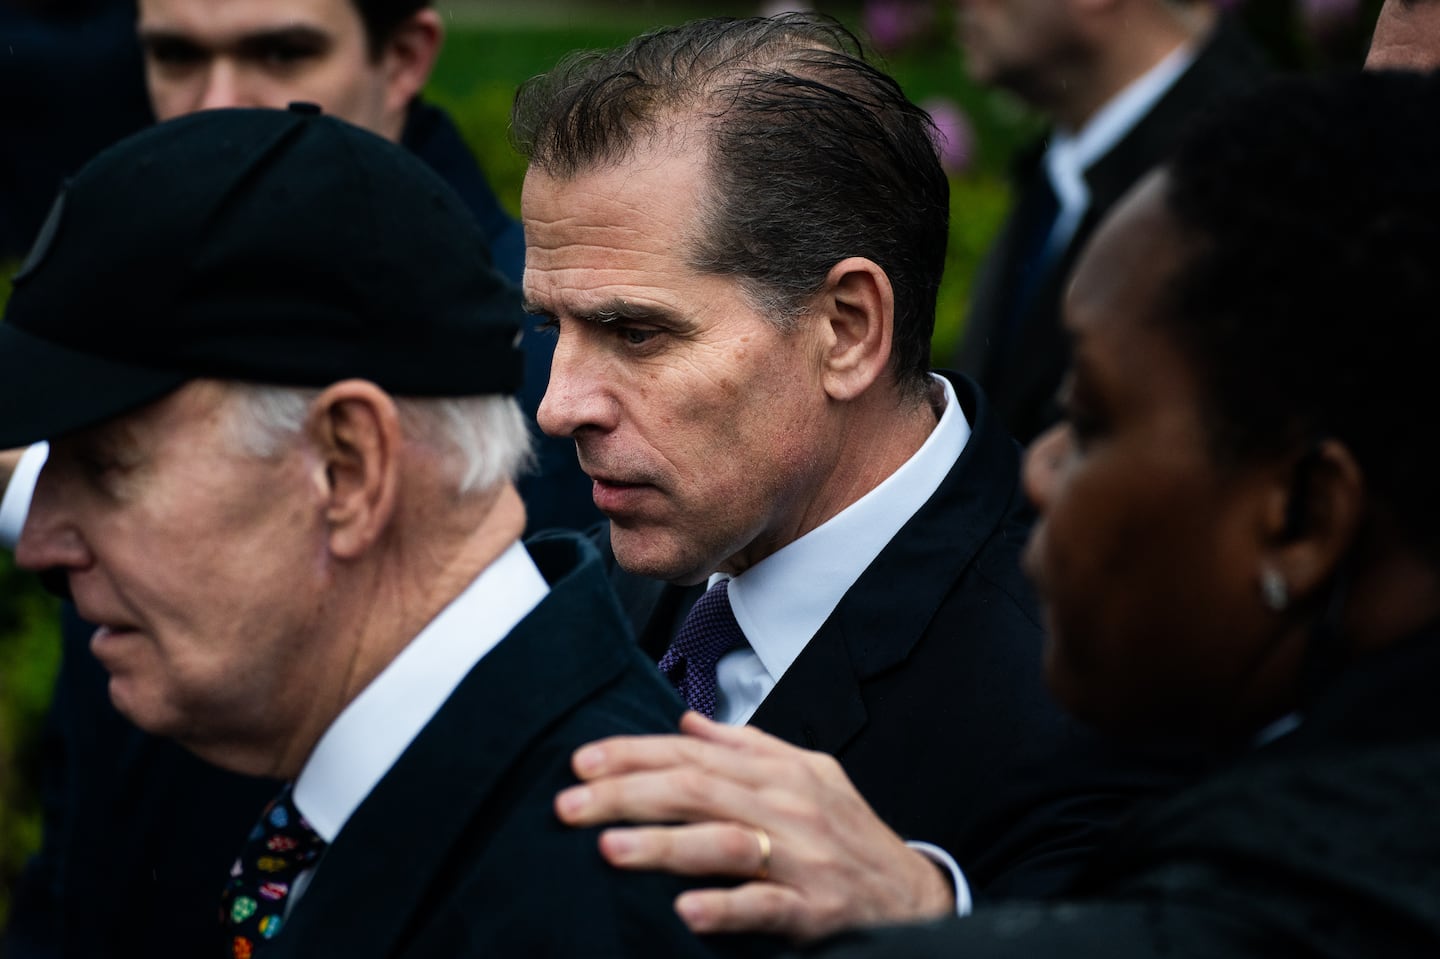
(737, 229)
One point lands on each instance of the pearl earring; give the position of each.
(1274, 591)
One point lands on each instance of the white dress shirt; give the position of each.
(1072, 153)
(782, 601)
(367, 738)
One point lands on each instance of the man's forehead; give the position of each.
(194, 400)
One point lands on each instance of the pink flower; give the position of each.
(957, 136)
(891, 24)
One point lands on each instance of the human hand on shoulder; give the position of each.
(737, 802)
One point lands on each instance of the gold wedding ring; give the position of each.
(763, 838)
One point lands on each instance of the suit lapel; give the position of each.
(368, 890)
(818, 703)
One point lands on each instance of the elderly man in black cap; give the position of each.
(286, 495)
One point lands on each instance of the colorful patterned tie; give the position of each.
(708, 633)
(280, 847)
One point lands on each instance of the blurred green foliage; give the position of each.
(29, 658)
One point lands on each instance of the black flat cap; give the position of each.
(268, 246)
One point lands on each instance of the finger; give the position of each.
(624, 755)
(703, 849)
(687, 794)
(744, 738)
(759, 907)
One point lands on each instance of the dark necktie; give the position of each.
(1032, 259)
(708, 633)
(280, 847)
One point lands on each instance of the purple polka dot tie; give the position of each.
(280, 847)
(708, 633)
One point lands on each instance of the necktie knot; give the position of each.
(280, 847)
(708, 633)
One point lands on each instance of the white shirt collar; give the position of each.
(15, 503)
(378, 726)
(783, 600)
(1070, 153)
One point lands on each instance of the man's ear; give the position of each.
(355, 428)
(408, 57)
(1313, 518)
(856, 312)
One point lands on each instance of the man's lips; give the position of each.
(613, 495)
(107, 633)
(107, 643)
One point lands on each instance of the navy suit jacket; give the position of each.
(457, 851)
(925, 683)
(1014, 345)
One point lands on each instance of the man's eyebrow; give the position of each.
(605, 311)
(150, 36)
(298, 35)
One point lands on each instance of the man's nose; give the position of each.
(577, 396)
(224, 86)
(49, 542)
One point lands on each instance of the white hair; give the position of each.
(482, 440)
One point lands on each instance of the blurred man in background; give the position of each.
(1119, 80)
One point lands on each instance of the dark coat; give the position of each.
(925, 683)
(71, 83)
(1321, 845)
(1013, 344)
(458, 852)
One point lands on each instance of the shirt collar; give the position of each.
(1072, 153)
(379, 724)
(783, 600)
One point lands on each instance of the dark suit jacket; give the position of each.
(1321, 845)
(457, 851)
(926, 684)
(1013, 344)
